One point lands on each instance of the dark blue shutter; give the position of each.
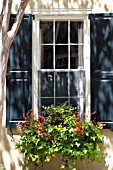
(101, 29)
(19, 73)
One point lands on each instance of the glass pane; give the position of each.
(61, 32)
(76, 56)
(77, 84)
(61, 56)
(73, 57)
(74, 83)
(47, 84)
(46, 56)
(61, 84)
(75, 102)
(58, 101)
(76, 32)
(46, 32)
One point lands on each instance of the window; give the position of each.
(51, 64)
(61, 75)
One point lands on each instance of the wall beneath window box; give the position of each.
(79, 165)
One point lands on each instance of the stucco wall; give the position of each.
(10, 159)
(95, 5)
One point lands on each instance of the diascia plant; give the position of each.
(62, 131)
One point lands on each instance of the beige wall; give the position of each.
(9, 157)
(95, 5)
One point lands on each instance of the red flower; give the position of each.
(41, 118)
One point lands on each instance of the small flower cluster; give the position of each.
(61, 132)
(78, 129)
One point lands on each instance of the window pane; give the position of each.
(76, 56)
(47, 84)
(58, 101)
(75, 102)
(46, 102)
(61, 84)
(76, 32)
(61, 32)
(61, 56)
(74, 83)
(77, 84)
(46, 32)
(47, 56)
(73, 57)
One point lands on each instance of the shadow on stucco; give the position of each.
(8, 155)
(72, 4)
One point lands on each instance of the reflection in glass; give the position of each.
(46, 32)
(47, 84)
(73, 57)
(76, 32)
(61, 84)
(61, 56)
(46, 102)
(74, 83)
(76, 56)
(58, 101)
(46, 56)
(61, 32)
(75, 102)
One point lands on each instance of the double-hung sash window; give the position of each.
(52, 65)
(60, 63)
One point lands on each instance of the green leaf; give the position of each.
(62, 167)
(47, 158)
(70, 130)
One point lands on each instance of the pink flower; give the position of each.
(93, 113)
(75, 132)
(44, 133)
(82, 132)
(38, 131)
(100, 127)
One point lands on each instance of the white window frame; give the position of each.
(63, 15)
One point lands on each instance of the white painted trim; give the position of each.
(77, 17)
(87, 67)
(61, 11)
(35, 39)
(36, 52)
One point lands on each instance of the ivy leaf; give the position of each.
(62, 167)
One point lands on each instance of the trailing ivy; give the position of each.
(61, 132)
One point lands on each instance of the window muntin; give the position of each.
(61, 76)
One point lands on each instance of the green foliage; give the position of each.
(61, 132)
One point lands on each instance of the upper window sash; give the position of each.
(56, 17)
(64, 52)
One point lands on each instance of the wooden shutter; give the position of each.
(101, 29)
(19, 73)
